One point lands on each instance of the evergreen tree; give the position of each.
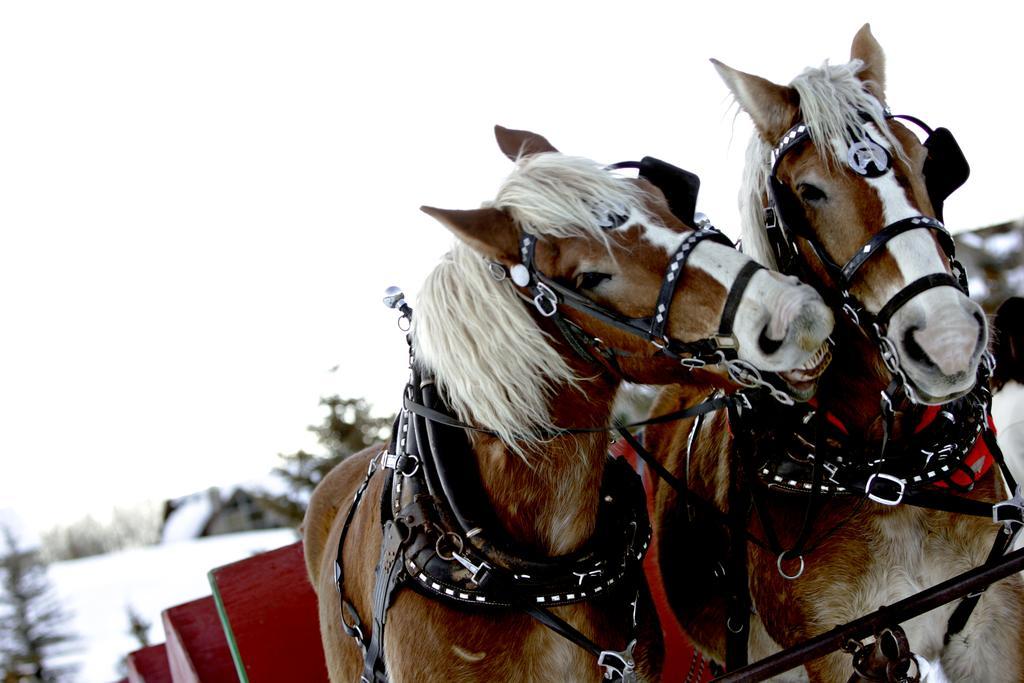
(138, 627)
(32, 623)
(347, 429)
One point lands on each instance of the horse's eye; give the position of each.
(586, 281)
(810, 193)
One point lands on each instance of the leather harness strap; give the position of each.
(387, 577)
(428, 545)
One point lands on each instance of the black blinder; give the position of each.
(679, 186)
(946, 167)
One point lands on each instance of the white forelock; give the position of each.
(833, 102)
(563, 196)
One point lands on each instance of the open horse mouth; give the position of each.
(803, 380)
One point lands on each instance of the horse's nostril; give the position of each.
(767, 344)
(913, 349)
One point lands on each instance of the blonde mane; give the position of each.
(475, 334)
(833, 102)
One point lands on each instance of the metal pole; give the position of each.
(952, 589)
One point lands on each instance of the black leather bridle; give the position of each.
(945, 170)
(721, 348)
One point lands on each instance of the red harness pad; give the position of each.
(682, 661)
(979, 460)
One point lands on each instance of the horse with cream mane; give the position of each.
(800, 518)
(493, 539)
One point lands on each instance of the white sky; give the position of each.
(201, 202)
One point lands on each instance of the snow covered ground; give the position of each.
(96, 592)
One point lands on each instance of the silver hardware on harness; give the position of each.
(393, 297)
(583, 575)
(619, 664)
(726, 341)
(782, 572)
(400, 463)
(497, 271)
(747, 376)
(520, 274)
(1010, 512)
(901, 488)
(546, 301)
(851, 313)
(475, 569)
(888, 352)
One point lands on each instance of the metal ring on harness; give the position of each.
(352, 627)
(456, 547)
(728, 625)
(782, 572)
(405, 462)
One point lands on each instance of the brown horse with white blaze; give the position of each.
(494, 343)
(844, 194)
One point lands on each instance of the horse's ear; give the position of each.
(517, 143)
(774, 108)
(866, 49)
(489, 231)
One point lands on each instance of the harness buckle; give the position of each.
(771, 219)
(619, 666)
(889, 354)
(901, 488)
(726, 341)
(1010, 512)
(546, 300)
(479, 570)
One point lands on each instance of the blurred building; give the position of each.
(994, 259)
(218, 511)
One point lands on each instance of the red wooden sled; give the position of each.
(261, 624)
